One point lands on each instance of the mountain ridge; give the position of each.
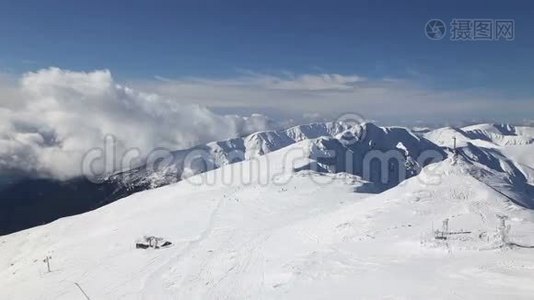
(25, 205)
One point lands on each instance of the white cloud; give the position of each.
(334, 94)
(55, 116)
(308, 82)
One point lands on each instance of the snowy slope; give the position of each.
(501, 134)
(241, 232)
(502, 173)
(484, 135)
(523, 158)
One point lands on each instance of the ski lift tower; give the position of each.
(47, 261)
(503, 229)
(454, 150)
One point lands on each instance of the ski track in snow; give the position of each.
(153, 281)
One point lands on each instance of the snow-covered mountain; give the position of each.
(485, 135)
(271, 228)
(495, 154)
(213, 155)
(331, 148)
(331, 143)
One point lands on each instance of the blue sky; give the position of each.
(138, 40)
